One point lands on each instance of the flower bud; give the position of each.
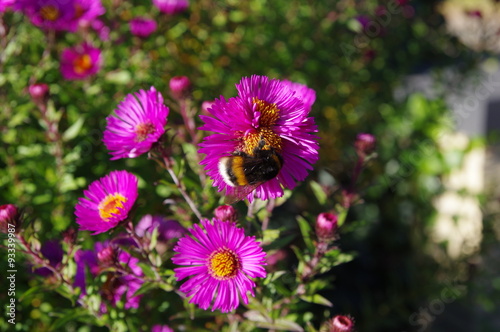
(180, 86)
(38, 91)
(142, 26)
(364, 144)
(226, 213)
(326, 226)
(171, 7)
(341, 323)
(69, 236)
(205, 106)
(9, 218)
(107, 256)
(161, 328)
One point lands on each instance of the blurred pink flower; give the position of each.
(142, 27)
(80, 62)
(171, 7)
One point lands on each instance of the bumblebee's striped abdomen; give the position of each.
(232, 170)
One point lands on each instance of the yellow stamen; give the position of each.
(142, 131)
(82, 63)
(224, 264)
(269, 116)
(49, 12)
(110, 206)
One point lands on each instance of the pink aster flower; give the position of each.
(161, 328)
(304, 93)
(171, 7)
(48, 14)
(80, 62)
(137, 124)
(107, 201)
(167, 229)
(86, 261)
(4, 4)
(142, 26)
(220, 260)
(86, 11)
(268, 134)
(126, 285)
(120, 285)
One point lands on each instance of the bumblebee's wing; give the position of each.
(236, 194)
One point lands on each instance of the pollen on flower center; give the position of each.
(142, 131)
(223, 264)
(49, 12)
(82, 63)
(269, 115)
(110, 205)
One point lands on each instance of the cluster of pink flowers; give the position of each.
(84, 60)
(60, 15)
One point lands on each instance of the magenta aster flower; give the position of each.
(304, 93)
(107, 202)
(220, 260)
(171, 7)
(161, 328)
(53, 252)
(4, 4)
(86, 261)
(49, 14)
(167, 229)
(126, 285)
(142, 26)
(265, 128)
(86, 11)
(137, 124)
(80, 62)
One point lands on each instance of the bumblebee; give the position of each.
(247, 171)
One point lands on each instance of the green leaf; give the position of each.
(316, 298)
(32, 290)
(305, 229)
(69, 316)
(270, 235)
(341, 217)
(67, 292)
(73, 130)
(118, 77)
(147, 270)
(318, 192)
(273, 276)
(145, 287)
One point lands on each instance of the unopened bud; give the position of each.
(69, 236)
(226, 213)
(205, 106)
(364, 144)
(9, 219)
(107, 256)
(38, 91)
(341, 323)
(326, 226)
(180, 86)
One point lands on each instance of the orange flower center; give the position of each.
(224, 264)
(79, 11)
(269, 115)
(49, 12)
(143, 130)
(82, 63)
(111, 206)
